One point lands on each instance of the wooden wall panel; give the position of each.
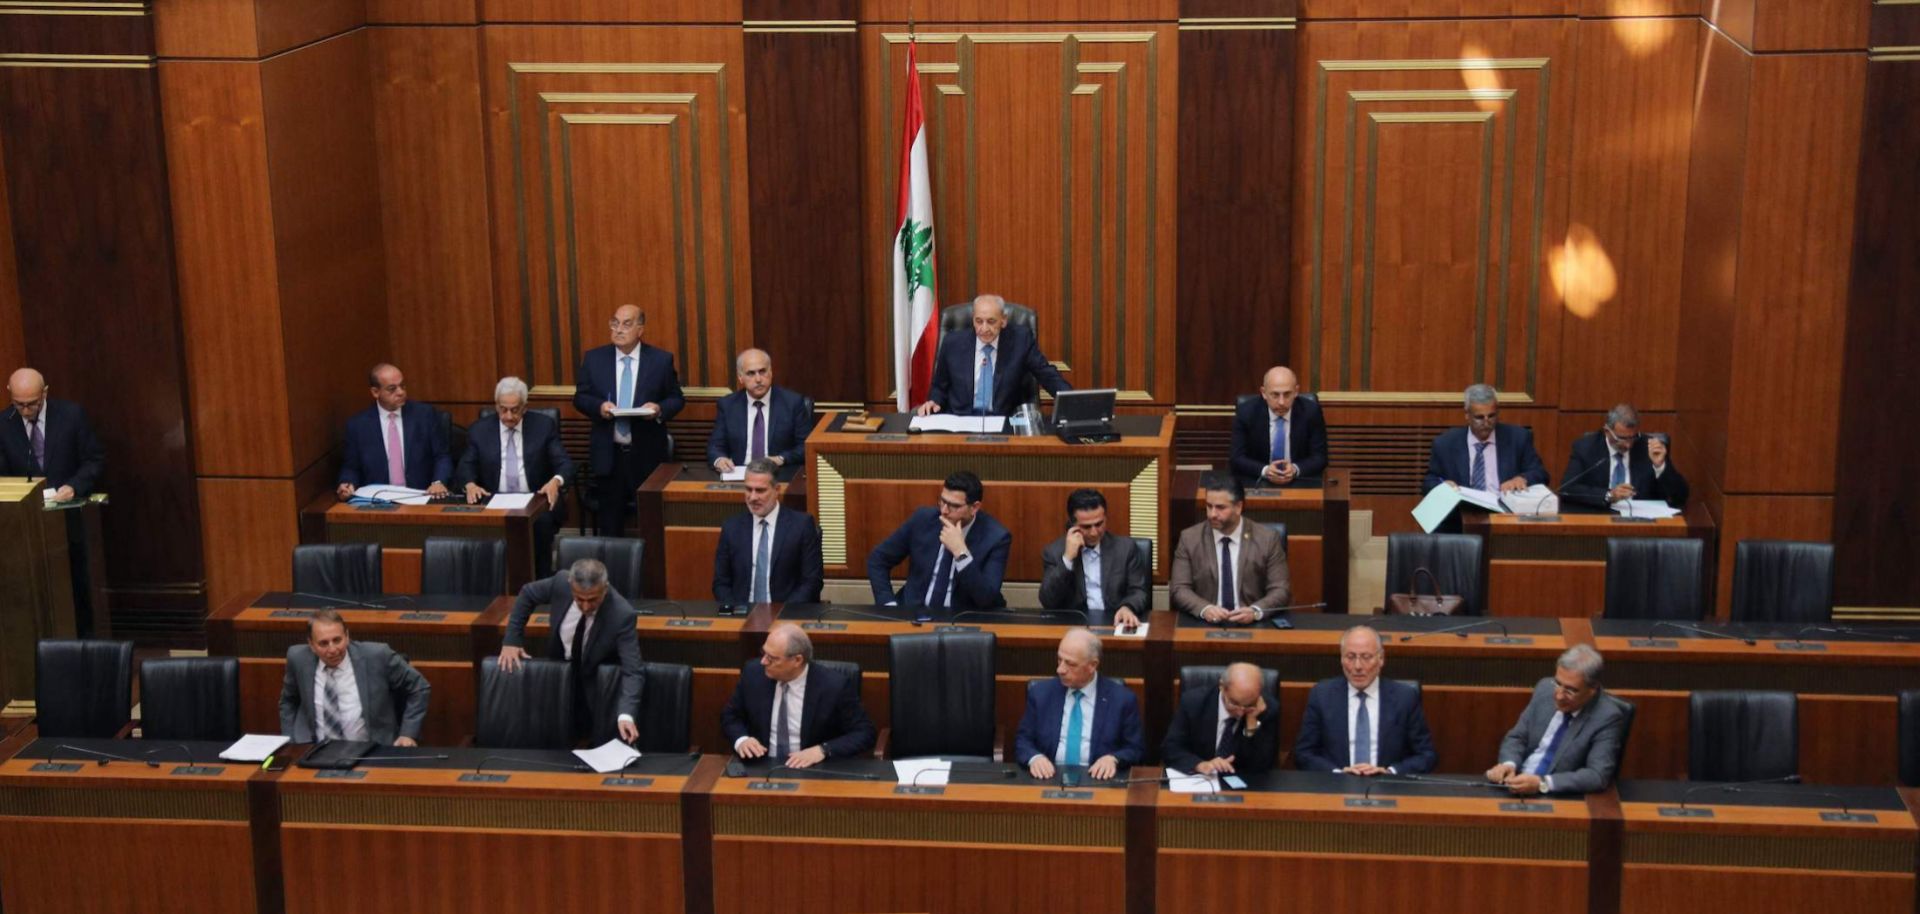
(423, 12)
(13, 344)
(1875, 526)
(976, 11)
(205, 28)
(250, 527)
(611, 11)
(1734, 17)
(430, 135)
(1052, 153)
(1803, 153)
(285, 24)
(653, 120)
(1772, 517)
(1633, 116)
(1633, 8)
(1433, 9)
(1235, 178)
(1810, 25)
(1430, 169)
(326, 227)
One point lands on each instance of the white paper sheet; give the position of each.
(1645, 508)
(506, 502)
(1433, 509)
(633, 411)
(973, 425)
(1480, 498)
(1534, 500)
(923, 772)
(1139, 631)
(608, 757)
(254, 747)
(737, 474)
(1182, 782)
(400, 494)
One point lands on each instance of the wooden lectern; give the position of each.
(36, 583)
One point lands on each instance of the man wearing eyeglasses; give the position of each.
(957, 553)
(51, 439)
(629, 390)
(1361, 724)
(1618, 463)
(1570, 737)
(1487, 454)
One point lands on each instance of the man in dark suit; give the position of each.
(515, 451)
(1089, 570)
(990, 370)
(1229, 729)
(1363, 724)
(1099, 727)
(957, 552)
(51, 439)
(1570, 737)
(339, 688)
(1258, 584)
(767, 553)
(759, 419)
(1487, 454)
(591, 624)
(820, 716)
(394, 442)
(1617, 462)
(1280, 437)
(626, 374)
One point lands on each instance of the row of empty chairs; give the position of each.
(458, 565)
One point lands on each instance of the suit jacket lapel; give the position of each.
(809, 709)
(1112, 570)
(1338, 727)
(362, 678)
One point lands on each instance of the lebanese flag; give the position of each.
(915, 335)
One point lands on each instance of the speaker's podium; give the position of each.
(36, 581)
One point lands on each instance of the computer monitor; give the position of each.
(1084, 408)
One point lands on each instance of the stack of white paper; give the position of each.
(1182, 782)
(608, 757)
(973, 425)
(1533, 501)
(254, 747)
(737, 474)
(632, 411)
(399, 494)
(1658, 510)
(922, 772)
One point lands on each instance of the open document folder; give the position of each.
(1433, 510)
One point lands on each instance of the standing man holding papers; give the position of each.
(395, 441)
(51, 439)
(759, 420)
(1618, 463)
(989, 371)
(1281, 437)
(513, 452)
(626, 375)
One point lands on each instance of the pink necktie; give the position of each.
(396, 458)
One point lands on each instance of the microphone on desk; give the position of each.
(829, 772)
(1884, 634)
(1706, 631)
(350, 603)
(406, 758)
(564, 766)
(1450, 782)
(183, 747)
(1287, 609)
(1564, 483)
(105, 757)
(831, 608)
(1460, 629)
(1084, 617)
(1736, 787)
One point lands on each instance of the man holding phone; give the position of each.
(1089, 570)
(1280, 437)
(1228, 728)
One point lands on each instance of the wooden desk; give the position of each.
(402, 532)
(1559, 567)
(1316, 519)
(682, 506)
(1757, 859)
(1287, 849)
(865, 485)
(436, 633)
(79, 836)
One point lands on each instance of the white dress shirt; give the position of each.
(959, 563)
(1087, 693)
(1373, 720)
(746, 427)
(795, 693)
(1493, 461)
(633, 394)
(1090, 567)
(574, 619)
(1560, 719)
(1234, 541)
(353, 723)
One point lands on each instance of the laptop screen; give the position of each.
(1076, 407)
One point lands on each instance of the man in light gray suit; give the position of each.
(592, 624)
(1570, 737)
(339, 688)
(1114, 580)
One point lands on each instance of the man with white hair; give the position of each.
(51, 439)
(1079, 718)
(514, 451)
(761, 419)
(990, 369)
(1572, 734)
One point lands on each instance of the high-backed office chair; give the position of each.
(1145, 544)
(1279, 527)
(529, 708)
(621, 555)
(1782, 581)
(1910, 737)
(666, 707)
(942, 692)
(851, 671)
(1742, 735)
(342, 568)
(1454, 559)
(82, 689)
(1655, 579)
(459, 565)
(190, 698)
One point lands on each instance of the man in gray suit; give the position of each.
(339, 688)
(591, 624)
(1570, 737)
(1258, 582)
(1087, 569)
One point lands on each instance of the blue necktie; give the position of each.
(760, 589)
(1362, 733)
(1619, 469)
(1480, 464)
(983, 388)
(623, 398)
(1074, 725)
(1279, 449)
(942, 577)
(1553, 746)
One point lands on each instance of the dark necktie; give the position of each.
(39, 445)
(1229, 593)
(780, 730)
(579, 642)
(1545, 766)
(1229, 740)
(1619, 469)
(1362, 733)
(757, 446)
(1480, 464)
(942, 578)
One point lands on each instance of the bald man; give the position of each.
(623, 450)
(48, 438)
(761, 419)
(395, 442)
(990, 369)
(1280, 438)
(1225, 728)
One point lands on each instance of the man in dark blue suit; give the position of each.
(51, 439)
(767, 553)
(1617, 462)
(759, 419)
(1487, 454)
(1007, 359)
(1099, 727)
(395, 441)
(958, 553)
(1225, 729)
(1280, 437)
(1363, 724)
(514, 451)
(821, 717)
(623, 450)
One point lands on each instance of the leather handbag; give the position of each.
(1419, 604)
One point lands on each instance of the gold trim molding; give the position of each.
(1408, 398)
(1237, 23)
(79, 61)
(798, 26)
(60, 8)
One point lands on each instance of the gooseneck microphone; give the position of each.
(916, 623)
(1736, 787)
(563, 766)
(1706, 631)
(1460, 630)
(105, 757)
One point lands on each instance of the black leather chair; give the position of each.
(82, 689)
(1454, 559)
(1280, 528)
(529, 708)
(851, 671)
(454, 435)
(1145, 544)
(459, 565)
(942, 692)
(1782, 581)
(666, 707)
(1742, 735)
(343, 568)
(190, 698)
(1655, 579)
(1910, 737)
(621, 555)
